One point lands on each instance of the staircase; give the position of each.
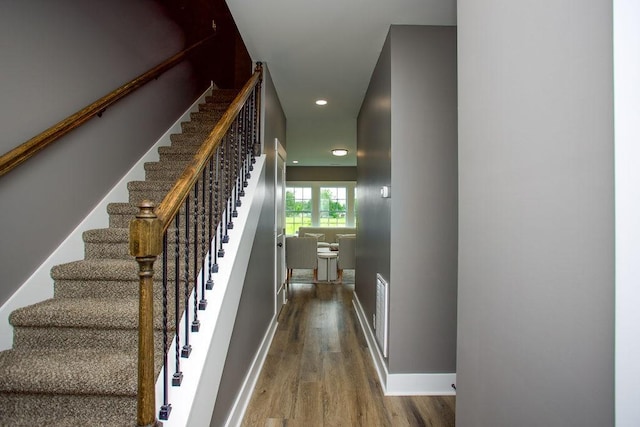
(74, 356)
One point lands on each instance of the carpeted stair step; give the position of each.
(35, 382)
(181, 153)
(198, 127)
(207, 116)
(148, 190)
(165, 170)
(106, 243)
(155, 191)
(101, 323)
(222, 96)
(121, 214)
(219, 107)
(113, 243)
(71, 283)
(178, 139)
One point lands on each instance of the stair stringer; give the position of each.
(193, 401)
(39, 286)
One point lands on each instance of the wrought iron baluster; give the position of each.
(195, 324)
(177, 376)
(165, 409)
(212, 233)
(229, 177)
(225, 192)
(186, 348)
(202, 304)
(217, 197)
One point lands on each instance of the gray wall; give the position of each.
(536, 276)
(58, 57)
(257, 302)
(322, 173)
(424, 202)
(373, 246)
(407, 134)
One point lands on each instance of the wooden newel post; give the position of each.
(145, 243)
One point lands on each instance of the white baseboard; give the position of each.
(39, 286)
(402, 384)
(246, 391)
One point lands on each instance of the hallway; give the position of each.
(319, 373)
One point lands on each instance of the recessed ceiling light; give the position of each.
(321, 102)
(295, 162)
(339, 152)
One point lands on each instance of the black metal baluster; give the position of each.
(165, 409)
(212, 233)
(245, 159)
(202, 304)
(234, 180)
(195, 324)
(225, 189)
(186, 348)
(229, 177)
(217, 195)
(177, 376)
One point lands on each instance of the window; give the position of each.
(333, 206)
(320, 204)
(297, 208)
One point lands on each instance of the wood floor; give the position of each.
(319, 372)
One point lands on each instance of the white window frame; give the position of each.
(315, 198)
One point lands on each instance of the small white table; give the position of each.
(327, 265)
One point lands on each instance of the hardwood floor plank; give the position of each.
(308, 411)
(319, 371)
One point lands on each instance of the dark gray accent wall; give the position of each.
(407, 138)
(424, 200)
(322, 173)
(58, 57)
(373, 246)
(257, 302)
(536, 264)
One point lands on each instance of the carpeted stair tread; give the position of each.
(122, 208)
(209, 116)
(97, 269)
(79, 371)
(167, 165)
(216, 107)
(189, 139)
(115, 418)
(198, 127)
(83, 313)
(93, 313)
(106, 235)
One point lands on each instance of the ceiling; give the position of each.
(326, 49)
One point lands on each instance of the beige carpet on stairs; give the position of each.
(74, 357)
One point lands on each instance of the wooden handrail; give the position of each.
(171, 203)
(25, 151)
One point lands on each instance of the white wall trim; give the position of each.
(627, 207)
(402, 384)
(39, 286)
(246, 391)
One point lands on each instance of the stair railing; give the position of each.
(28, 149)
(191, 225)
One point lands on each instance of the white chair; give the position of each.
(301, 253)
(346, 255)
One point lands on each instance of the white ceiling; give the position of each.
(326, 49)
